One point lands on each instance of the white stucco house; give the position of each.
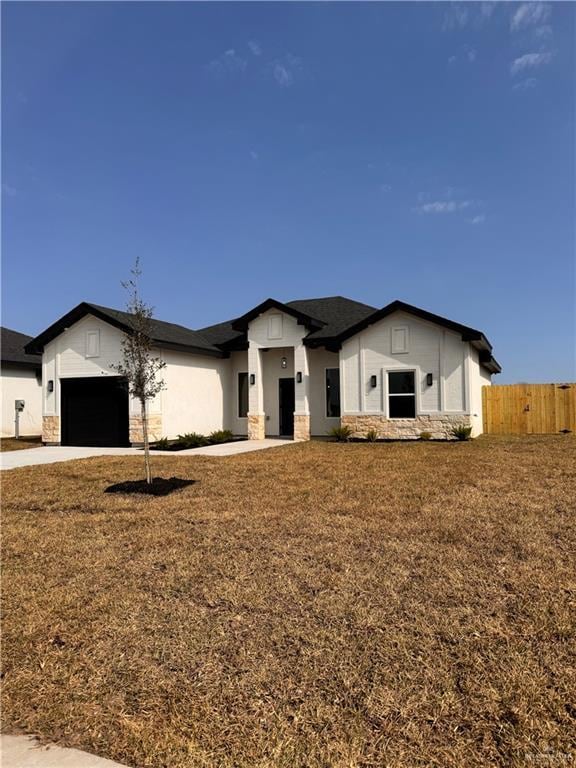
(290, 369)
(20, 380)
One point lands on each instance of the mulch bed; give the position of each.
(160, 486)
(176, 446)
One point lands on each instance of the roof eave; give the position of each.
(241, 323)
(36, 346)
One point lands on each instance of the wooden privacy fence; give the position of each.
(529, 409)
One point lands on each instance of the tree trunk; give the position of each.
(145, 437)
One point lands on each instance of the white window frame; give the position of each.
(397, 351)
(96, 335)
(417, 377)
(332, 368)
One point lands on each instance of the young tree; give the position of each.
(138, 366)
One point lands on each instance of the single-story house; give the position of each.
(21, 380)
(290, 369)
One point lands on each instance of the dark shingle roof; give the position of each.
(329, 320)
(221, 334)
(337, 312)
(168, 335)
(13, 344)
(161, 331)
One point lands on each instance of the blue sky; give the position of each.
(419, 151)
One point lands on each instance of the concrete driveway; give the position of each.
(50, 454)
(26, 752)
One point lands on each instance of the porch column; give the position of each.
(302, 412)
(256, 415)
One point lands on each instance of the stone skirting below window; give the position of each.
(51, 430)
(256, 426)
(136, 436)
(301, 426)
(438, 425)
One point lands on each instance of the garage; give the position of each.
(95, 411)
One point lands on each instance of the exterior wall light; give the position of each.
(51, 386)
(373, 381)
(429, 379)
(252, 378)
(284, 362)
(299, 377)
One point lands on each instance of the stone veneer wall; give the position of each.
(51, 429)
(256, 426)
(301, 426)
(438, 425)
(154, 428)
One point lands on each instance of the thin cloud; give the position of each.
(255, 47)
(456, 16)
(471, 53)
(254, 155)
(460, 15)
(444, 206)
(480, 219)
(286, 70)
(9, 191)
(525, 85)
(385, 187)
(529, 61)
(487, 9)
(529, 14)
(452, 60)
(229, 64)
(543, 33)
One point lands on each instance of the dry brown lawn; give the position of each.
(11, 444)
(316, 605)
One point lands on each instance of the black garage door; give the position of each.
(95, 411)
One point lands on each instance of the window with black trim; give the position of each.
(333, 392)
(243, 395)
(401, 395)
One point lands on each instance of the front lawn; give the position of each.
(11, 444)
(314, 605)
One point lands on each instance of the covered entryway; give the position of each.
(95, 411)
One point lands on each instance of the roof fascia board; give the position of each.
(241, 323)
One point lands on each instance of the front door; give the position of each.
(287, 403)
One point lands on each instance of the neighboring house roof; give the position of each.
(330, 321)
(164, 334)
(12, 350)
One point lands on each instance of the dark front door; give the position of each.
(287, 403)
(95, 411)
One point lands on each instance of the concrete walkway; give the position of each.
(51, 454)
(27, 752)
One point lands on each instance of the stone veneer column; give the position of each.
(136, 435)
(256, 426)
(256, 415)
(302, 393)
(301, 426)
(51, 430)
